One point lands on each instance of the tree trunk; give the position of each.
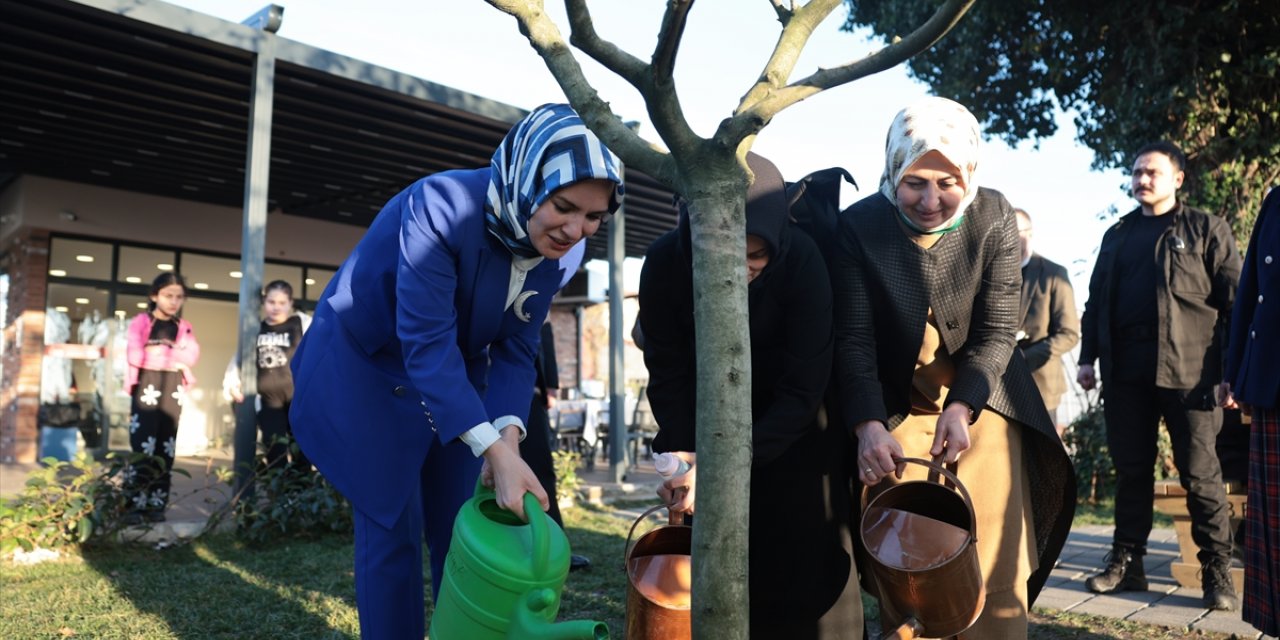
(717, 196)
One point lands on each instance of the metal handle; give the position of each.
(539, 530)
(626, 549)
(935, 470)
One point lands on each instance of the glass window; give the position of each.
(80, 259)
(288, 273)
(207, 273)
(128, 306)
(317, 280)
(141, 266)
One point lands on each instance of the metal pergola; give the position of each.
(145, 96)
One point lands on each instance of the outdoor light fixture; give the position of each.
(268, 18)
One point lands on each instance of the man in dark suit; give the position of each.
(1159, 306)
(536, 448)
(1049, 326)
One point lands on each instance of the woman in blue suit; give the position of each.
(419, 361)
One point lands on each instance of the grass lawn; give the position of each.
(218, 587)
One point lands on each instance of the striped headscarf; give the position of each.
(550, 148)
(932, 124)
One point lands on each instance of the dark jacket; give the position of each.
(798, 566)
(1199, 267)
(1253, 368)
(970, 279)
(1049, 325)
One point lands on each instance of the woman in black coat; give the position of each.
(801, 583)
(927, 291)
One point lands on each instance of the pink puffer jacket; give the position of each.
(184, 351)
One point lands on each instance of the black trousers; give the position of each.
(153, 430)
(277, 437)
(535, 449)
(1133, 411)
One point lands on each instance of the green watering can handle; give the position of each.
(537, 523)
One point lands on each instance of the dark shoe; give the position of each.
(1124, 572)
(577, 562)
(155, 516)
(1219, 589)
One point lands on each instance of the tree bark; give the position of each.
(712, 177)
(717, 199)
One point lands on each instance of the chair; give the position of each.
(570, 429)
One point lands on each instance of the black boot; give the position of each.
(1219, 589)
(1124, 572)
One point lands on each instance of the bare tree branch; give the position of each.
(660, 95)
(582, 34)
(796, 30)
(669, 36)
(545, 37)
(784, 13)
(752, 118)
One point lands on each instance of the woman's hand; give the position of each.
(678, 492)
(951, 437)
(509, 476)
(876, 451)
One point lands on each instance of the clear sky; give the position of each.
(469, 45)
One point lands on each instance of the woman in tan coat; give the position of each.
(926, 306)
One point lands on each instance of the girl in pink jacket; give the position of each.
(162, 350)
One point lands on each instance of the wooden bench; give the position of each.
(1171, 499)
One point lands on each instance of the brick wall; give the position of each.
(26, 261)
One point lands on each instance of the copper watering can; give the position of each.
(921, 537)
(659, 583)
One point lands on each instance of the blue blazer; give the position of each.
(1252, 366)
(411, 343)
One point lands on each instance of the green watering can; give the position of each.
(502, 577)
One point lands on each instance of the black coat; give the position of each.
(885, 286)
(797, 566)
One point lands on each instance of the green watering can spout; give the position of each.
(530, 622)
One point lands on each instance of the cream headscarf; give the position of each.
(932, 124)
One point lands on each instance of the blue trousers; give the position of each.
(389, 586)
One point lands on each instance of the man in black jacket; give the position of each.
(1159, 303)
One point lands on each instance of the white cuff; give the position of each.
(507, 421)
(480, 438)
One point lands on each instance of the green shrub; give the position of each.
(282, 502)
(566, 467)
(71, 503)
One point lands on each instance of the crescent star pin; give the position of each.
(519, 305)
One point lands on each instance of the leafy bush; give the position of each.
(282, 501)
(566, 466)
(1086, 440)
(70, 503)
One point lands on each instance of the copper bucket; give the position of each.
(920, 538)
(659, 580)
